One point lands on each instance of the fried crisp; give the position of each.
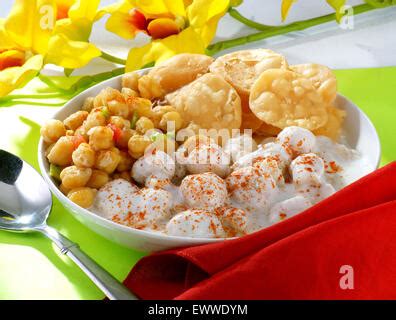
(332, 128)
(284, 98)
(172, 74)
(250, 121)
(322, 78)
(267, 130)
(209, 102)
(242, 68)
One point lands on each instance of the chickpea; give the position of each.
(101, 138)
(106, 95)
(126, 175)
(118, 108)
(52, 130)
(80, 131)
(125, 162)
(164, 144)
(125, 135)
(63, 189)
(61, 153)
(130, 80)
(142, 107)
(172, 121)
(120, 122)
(137, 144)
(98, 179)
(88, 104)
(75, 120)
(84, 156)
(159, 111)
(108, 160)
(84, 197)
(144, 124)
(75, 177)
(49, 148)
(113, 100)
(94, 119)
(128, 93)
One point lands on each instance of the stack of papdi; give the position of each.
(248, 89)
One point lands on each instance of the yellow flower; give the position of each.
(337, 5)
(16, 66)
(175, 26)
(54, 29)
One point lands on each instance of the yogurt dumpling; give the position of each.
(235, 221)
(240, 146)
(288, 208)
(308, 177)
(204, 191)
(251, 187)
(195, 224)
(208, 158)
(115, 198)
(271, 166)
(154, 164)
(307, 168)
(299, 139)
(272, 150)
(316, 192)
(150, 209)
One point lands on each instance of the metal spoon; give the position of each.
(25, 203)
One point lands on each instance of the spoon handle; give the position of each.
(113, 289)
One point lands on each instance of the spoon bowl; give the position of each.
(25, 204)
(25, 200)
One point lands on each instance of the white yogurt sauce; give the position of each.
(257, 189)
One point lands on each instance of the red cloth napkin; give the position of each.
(349, 239)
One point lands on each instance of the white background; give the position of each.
(372, 42)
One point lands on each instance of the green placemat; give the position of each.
(32, 268)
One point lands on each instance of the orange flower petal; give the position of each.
(137, 19)
(62, 12)
(11, 58)
(162, 27)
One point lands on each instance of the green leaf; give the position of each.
(55, 171)
(134, 119)
(68, 71)
(337, 5)
(105, 111)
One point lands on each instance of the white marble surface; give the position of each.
(371, 43)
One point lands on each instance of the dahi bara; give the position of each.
(209, 102)
(284, 98)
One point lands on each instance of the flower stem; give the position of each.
(10, 103)
(32, 96)
(250, 23)
(88, 81)
(279, 30)
(111, 58)
(48, 81)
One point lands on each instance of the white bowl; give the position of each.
(359, 132)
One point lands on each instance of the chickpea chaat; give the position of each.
(199, 147)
